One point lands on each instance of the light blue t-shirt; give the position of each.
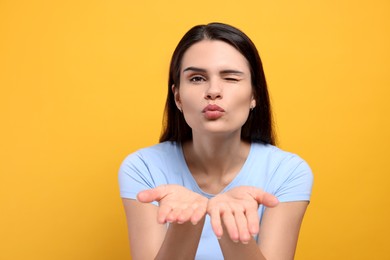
(280, 173)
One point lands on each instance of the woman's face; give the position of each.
(215, 93)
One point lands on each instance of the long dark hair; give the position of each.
(259, 125)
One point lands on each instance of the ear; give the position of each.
(176, 95)
(253, 103)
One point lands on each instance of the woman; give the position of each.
(215, 187)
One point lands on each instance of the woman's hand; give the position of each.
(176, 204)
(236, 211)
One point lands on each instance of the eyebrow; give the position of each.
(195, 69)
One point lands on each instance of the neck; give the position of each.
(218, 156)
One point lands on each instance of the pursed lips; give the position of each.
(213, 108)
(213, 112)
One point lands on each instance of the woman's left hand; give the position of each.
(236, 210)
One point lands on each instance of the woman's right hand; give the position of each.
(176, 203)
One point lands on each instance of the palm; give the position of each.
(236, 210)
(177, 204)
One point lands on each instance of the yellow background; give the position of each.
(83, 83)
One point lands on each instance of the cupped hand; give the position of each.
(236, 211)
(176, 203)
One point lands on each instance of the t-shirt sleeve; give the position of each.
(134, 176)
(296, 182)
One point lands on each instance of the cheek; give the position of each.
(243, 112)
(242, 99)
(241, 106)
(190, 100)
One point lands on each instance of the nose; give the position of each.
(214, 90)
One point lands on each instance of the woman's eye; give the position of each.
(197, 79)
(231, 79)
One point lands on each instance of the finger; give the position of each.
(198, 214)
(231, 226)
(162, 214)
(150, 195)
(270, 200)
(265, 198)
(242, 226)
(185, 215)
(172, 216)
(216, 223)
(253, 221)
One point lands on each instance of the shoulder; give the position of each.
(276, 156)
(148, 168)
(161, 149)
(160, 157)
(289, 176)
(154, 154)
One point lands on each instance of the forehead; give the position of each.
(214, 55)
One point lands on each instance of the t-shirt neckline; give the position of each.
(236, 179)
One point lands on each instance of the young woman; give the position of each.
(215, 187)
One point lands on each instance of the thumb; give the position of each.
(266, 199)
(150, 195)
(270, 200)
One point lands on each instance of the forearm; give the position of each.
(181, 241)
(238, 250)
